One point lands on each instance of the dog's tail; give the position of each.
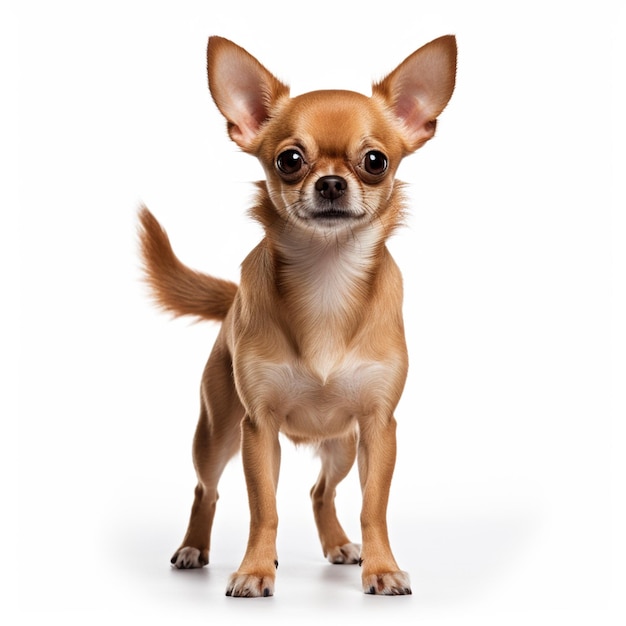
(175, 287)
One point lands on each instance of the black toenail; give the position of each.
(229, 592)
(266, 592)
(360, 562)
(276, 564)
(372, 590)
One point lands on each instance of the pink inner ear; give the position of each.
(408, 109)
(247, 118)
(415, 117)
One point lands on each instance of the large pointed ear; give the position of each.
(418, 90)
(243, 90)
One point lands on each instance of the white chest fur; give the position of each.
(310, 408)
(326, 282)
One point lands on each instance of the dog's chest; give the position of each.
(309, 406)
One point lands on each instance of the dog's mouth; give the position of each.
(335, 215)
(343, 209)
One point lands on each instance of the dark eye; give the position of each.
(290, 162)
(375, 162)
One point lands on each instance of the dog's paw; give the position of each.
(189, 558)
(348, 554)
(250, 586)
(387, 584)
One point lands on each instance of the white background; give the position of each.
(507, 502)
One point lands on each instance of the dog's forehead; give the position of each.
(339, 118)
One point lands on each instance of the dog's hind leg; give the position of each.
(216, 441)
(337, 457)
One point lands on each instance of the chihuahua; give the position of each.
(312, 340)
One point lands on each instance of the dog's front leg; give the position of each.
(376, 460)
(260, 451)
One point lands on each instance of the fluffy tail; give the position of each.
(175, 287)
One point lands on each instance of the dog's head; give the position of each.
(330, 157)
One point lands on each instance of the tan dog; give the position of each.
(312, 342)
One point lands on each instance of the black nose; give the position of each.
(331, 187)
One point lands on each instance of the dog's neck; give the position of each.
(324, 282)
(327, 274)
